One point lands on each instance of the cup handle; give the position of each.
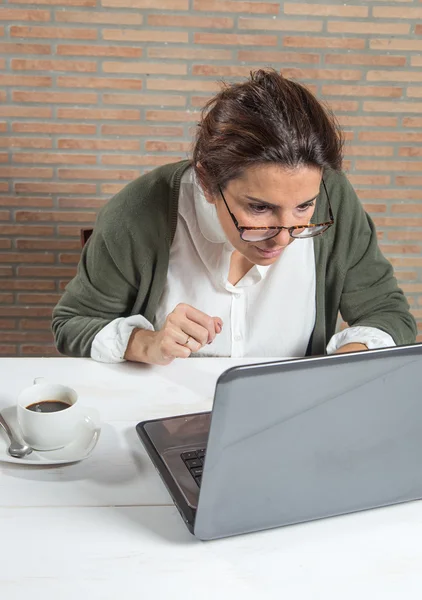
(39, 380)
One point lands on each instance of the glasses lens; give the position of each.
(307, 232)
(258, 235)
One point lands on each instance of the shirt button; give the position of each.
(237, 338)
(237, 296)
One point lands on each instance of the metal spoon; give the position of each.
(16, 449)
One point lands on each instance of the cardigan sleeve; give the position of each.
(370, 295)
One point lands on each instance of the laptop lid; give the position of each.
(303, 439)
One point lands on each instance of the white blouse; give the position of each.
(270, 312)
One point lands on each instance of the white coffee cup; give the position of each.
(49, 430)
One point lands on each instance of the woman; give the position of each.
(251, 249)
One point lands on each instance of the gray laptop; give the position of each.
(295, 440)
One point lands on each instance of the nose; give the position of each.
(282, 238)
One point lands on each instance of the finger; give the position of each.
(184, 338)
(218, 324)
(200, 318)
(170, 349)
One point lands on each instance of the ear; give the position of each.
(208, 196)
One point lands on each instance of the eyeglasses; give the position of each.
(259, 234)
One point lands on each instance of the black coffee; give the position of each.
(48, 406)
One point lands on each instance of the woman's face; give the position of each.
(266, 196)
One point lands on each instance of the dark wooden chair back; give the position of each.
(86, 233)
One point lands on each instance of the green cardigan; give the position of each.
(123, 267)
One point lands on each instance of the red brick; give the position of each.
(399, 12)
(259, 57)
(26, 111)
(390, 107)
(405, 275)
(394, 76)
(6, 272)
(23, 336)
(69, 258)
(46, 272)
(75, 144)
(418, 29)
(171, 115)
(48, 245)
(390, 165)
(56, 188)
(396, 44)
(414, 92)
(99, 113)
(190, 53)
(26, 230)
(142, 130)
(416, 61)
(81, 203)
(26, 172)
(325, 10)
(34, 324)
(369, 179)
(323, 42)
(221, 70)
(406, 208)
(185, 85)
(38, 298)
(71, 231)
(144, 99)
(99, 82)
(412, 122)
(21, 48)
(351, 121)
(126, 159)
(390, 194)
(369, 151)
(7, 324)
(145, 35)
(36, 350)
(111, 188)
(96, 174)
(7, 350)
(406, 262)
(4, 215)
(25, 80)
(161, 146)
(410, 151)
(84, 50)
(20, 142)
(5, 244)
(387, 136)
(5, 299)
(400, 249)
(54, 158)
(235, 39)
(397, 222)
(23, 311)
(199, 101)
(53, 32)
(59, 216)
(365, 59)
(147, 68)
(18, 14)
(24, 201)
(20, 257)
(279, 24)
(236, 6)
(61, 2)
(344, 105)
(54, 97)
(405, 235)
(375, 208)
(97, 17)
(190, 21)
(77, 128)
(370, 28)
(27, 284)
(20, 64)
(164, 4)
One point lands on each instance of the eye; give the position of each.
(305, 207)
(259, 209)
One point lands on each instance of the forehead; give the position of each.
(277, 185)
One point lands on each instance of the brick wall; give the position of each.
(94, 93)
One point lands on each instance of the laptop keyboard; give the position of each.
(194, 460)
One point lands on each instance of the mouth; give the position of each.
(270, 253)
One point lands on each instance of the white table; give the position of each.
(106, 528)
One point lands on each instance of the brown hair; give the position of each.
(266, 119)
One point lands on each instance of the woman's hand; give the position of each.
(354, 347)
(185, 330)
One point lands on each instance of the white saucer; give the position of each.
(80, 448)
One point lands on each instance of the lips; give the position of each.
(270, 253)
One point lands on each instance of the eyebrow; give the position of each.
(276, 205)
